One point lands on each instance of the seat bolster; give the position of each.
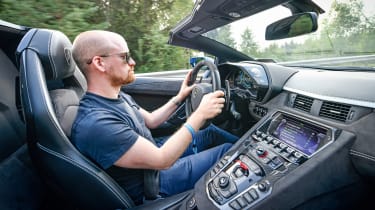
(65, 103)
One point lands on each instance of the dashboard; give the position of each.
(311, 145)
(316, 126)
(247, 80)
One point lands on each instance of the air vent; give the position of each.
(334, 111)
(303, 103)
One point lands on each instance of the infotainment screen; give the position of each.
(304, 136)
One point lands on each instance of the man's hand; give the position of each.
(211, 105)
(185, 89)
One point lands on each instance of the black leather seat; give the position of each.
(51, 86)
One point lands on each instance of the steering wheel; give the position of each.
(193, 100)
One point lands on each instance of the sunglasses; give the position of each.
(124, 55)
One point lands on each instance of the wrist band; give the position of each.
(192, 132)
(177, 103)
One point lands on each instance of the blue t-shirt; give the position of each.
(105, 129)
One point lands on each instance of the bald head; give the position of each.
(91, 43)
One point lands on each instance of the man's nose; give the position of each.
(131, 62)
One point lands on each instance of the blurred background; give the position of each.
(145, 24)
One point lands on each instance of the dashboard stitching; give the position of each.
(360, 154)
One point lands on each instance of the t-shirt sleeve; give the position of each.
(104, 137)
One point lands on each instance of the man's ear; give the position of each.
(99, 63)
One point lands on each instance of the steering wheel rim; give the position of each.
(193, 100)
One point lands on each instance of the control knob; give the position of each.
(223, 182)
(261, 152)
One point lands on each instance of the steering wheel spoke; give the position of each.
(202, 87)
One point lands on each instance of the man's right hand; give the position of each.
(211, 105)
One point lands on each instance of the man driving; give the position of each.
(114, 131)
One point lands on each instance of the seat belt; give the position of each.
(150, 176)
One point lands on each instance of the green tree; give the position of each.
(223, 35)
(145, 25)
(68, 16)
(248, 43)
(345, 18)
(273, 51)
(346, 31)
(347, 23)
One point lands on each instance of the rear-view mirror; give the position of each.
(295, 25)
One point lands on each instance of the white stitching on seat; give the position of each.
(363, 155)
(54, 71)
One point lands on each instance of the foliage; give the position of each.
(68, 16)
(248, 44)
(223, 35)
(145, 24)
(345, 27)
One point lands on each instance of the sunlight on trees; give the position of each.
(145, 24)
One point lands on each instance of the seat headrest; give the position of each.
(54, 49)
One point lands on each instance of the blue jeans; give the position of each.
(212, 143)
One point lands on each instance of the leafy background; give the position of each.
(145, 24)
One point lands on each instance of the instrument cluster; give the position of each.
(247, 80)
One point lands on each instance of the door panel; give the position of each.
(150, 93)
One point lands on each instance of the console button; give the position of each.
(242, 202)
(252, 166)
(216, 169)
(238, 172)
(275, 142)
(248, 197)
(214, 194)
(271, 155)
(258, 172)
(297, 155)
(212, 173)
(275, 163)
(269, 139)
(225, 193)
(285, 154)
(232, 188)
(223, 161)
(263, 187)
(253, 194)
(282, 146)
(266, 160)
(289, 150)
(235, 205)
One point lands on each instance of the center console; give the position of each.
(279, 145)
